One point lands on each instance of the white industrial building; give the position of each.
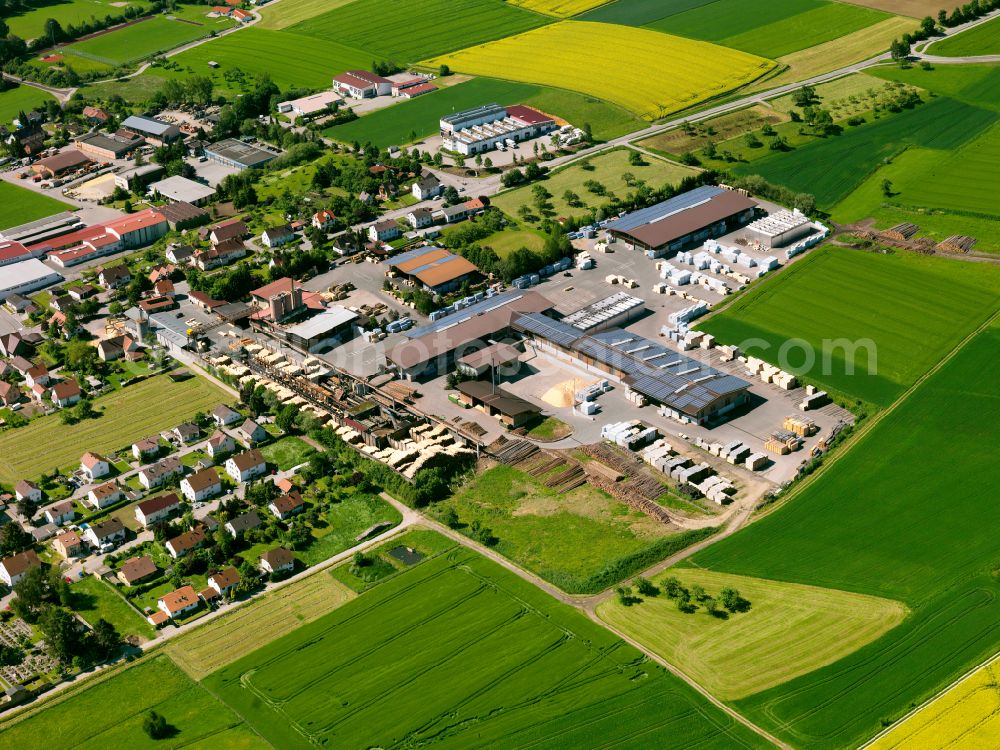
(26, 277)
(308, 105)
(333, 325)
(618, 310)
(474, 131)
(182, 190)
(780, 228)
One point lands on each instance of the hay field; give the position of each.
(462, 653)
(410, 30)
(558, 8)
(839, 53)
(290, 12)
(967, 717)
(658, 77)
(789, 630)
(908, 514)
(127, 415)
(107, 712)
(223, 640)
(912, 8)
(912, 308)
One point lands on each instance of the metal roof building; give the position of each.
(234, 153)
(686, 219)
(436, 269)
(25, 277)
(689, 390)
(181, 189)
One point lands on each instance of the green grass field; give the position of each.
(771, 28)
(412, 30)
(418, 118)
(127, 415)
(607, 170)
(908, 514)
(22, 98)
(640, 12)
(287, 452)
(423, 541)
(789, 630)
(984, 39)
(913, 308)
(30, 23)
(507, 241)
(582, 541)
(19, 205)
(345, 520)
(543, 674)
(108, 711)
(832, 167)
(142, 40)
(94, 599)
(978, 85)
(254, 51)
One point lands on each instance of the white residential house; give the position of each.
(201, 486)
(277, 560)
(161, 472)
(246, 466)
(66, 393)
(220, 444)
(104, 495)
(25, 490)
(110, 532)
(94, 466)
(13, 568)
(251, 433)
(420, 218)
(224, 416)
(145, 447)
(384, 231)
(277, 236)
(428, 186)
(224, 581)
(157, 509)
(60, 513)
(324, 220)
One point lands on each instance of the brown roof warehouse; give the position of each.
(686, 219)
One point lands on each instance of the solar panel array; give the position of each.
(680, 202)
(653, 370)
(409, 255)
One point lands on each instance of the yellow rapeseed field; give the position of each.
(966, 717)
(650, 73)
(558, 8)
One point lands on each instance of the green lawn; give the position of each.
(507, 241)
(410, 30)
(582, 541)
(19, 205)
(145, 39)
(126, 415)
(256, 51)
(108, 712)
(424, 541)
(287, 452)
(984, 39)
(94, 599)
(544, 675)
(789, 630)
(20, 99)
(345, 520)
(29, 23)
(912, 309)
(411, 120)
(908, 514)
(608, 170)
